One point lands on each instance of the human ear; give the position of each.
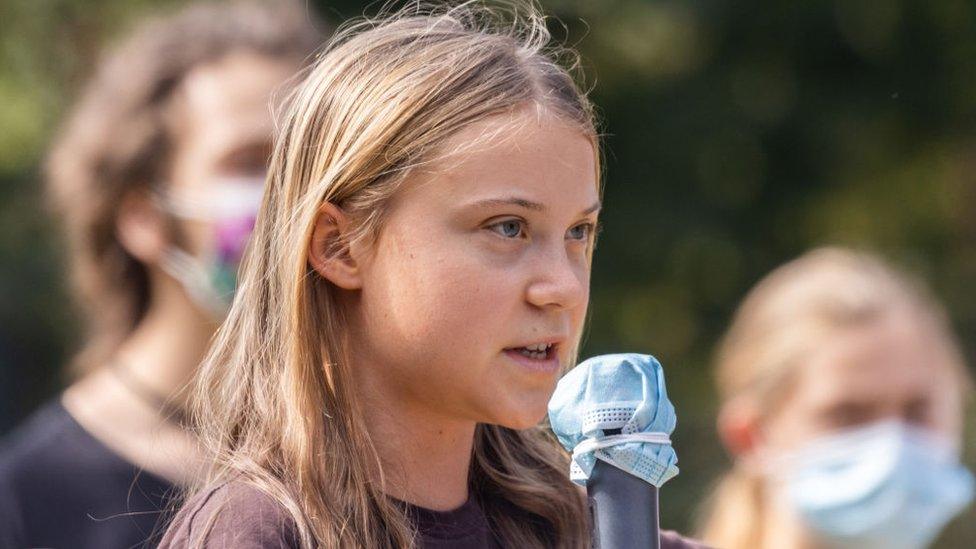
(141, 228)
(740, 430)
(328, 251)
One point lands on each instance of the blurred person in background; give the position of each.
(842, 391)
(156, 178)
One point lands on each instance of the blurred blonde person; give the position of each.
(842, 393)
(156, 178)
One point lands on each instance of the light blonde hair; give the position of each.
(117, 139)
(273, 400)
(785, 317)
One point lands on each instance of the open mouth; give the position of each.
(537, 351)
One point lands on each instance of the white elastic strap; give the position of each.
(593, 444)
(180, 207)
(192, 275)
(227, 197)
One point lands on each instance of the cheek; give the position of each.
(439, 312)
(196, 237)
(945, 407)
(436, 295)
(578, 315)
(793, 420)
(789, 429)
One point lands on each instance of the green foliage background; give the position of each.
(740, 133)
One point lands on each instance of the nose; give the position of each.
(560, 281)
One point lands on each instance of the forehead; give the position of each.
(228, 103)
(526, 154)
(896, 358)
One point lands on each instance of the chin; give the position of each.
(524, 417)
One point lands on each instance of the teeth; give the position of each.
(532, 354)
(538, 351)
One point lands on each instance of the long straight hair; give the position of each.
(274, 402)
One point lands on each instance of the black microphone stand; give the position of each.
(624, 509)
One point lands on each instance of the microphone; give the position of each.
(613, 414)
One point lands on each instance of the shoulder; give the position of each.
(672, 540)
(50, 448)
(37, 455)
(59, 483)
(11, 515)
(29, 455)
(50, 454)
(233, 514)
(32, 439)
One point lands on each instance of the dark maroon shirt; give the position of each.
(244, 517)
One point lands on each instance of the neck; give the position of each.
(425, 457)
(167, 346)
(158, 358)
(782, 528)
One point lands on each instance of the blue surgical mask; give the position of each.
(615, 408)
(229, 205)
(885, 485)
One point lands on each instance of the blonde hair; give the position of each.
(785, 317)
(116, 140)
(273, 400)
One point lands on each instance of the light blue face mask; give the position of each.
(885, 485)
(615, 408)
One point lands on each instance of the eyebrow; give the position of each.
(527, 204)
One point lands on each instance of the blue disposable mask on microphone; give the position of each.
(615, 408)
(886, 485)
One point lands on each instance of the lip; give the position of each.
(554, 340)
(549, 365)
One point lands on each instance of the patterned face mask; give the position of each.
(615, 408)
(230, 206)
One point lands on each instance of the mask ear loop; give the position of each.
(175, 209)
(176, 262)
(594, 444)
(194, 278)
(182, 208)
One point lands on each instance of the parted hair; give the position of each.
(117, 138)
(274, 402)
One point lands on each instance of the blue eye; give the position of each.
(510, 228)
(581, 231)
